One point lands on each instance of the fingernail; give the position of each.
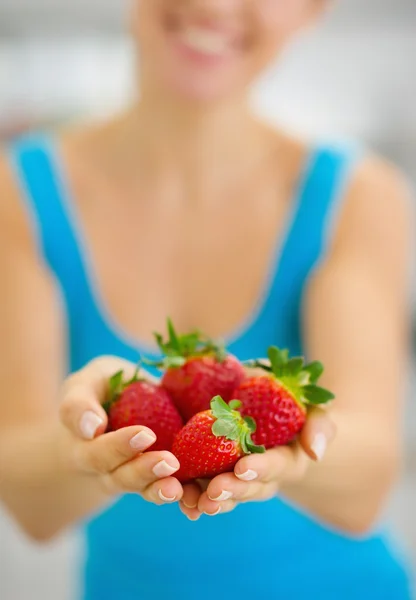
(319, 446)
(162, 469)
(248, 475)
(223, 496)
(165, 498)
(142, 440)
(188, 505)
(193, 517)
(215, 513)
(89, 424)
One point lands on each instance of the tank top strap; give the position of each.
(318, 206)
(39, 176)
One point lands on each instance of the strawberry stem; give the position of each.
(117, 385)
(178, 348)
(230, 424)
(300, 379)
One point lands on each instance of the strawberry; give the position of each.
(213, 441)
(278, 401)
(196, 370)
(139, 402)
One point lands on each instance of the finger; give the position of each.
(108, 452)
(319, 431)
(193, 514)
(227, 486)
(85, 391)
(81, 411)
(164, 491)
(189, 503)
(191, 494)
(140, 473)
(286, 463)
(212, 509)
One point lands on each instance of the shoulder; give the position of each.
(14, 220)
(23, 273)
(378, 211)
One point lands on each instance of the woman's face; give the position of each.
(208, 50)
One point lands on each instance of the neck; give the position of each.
(168, 135)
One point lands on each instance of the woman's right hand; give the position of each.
(116, 459)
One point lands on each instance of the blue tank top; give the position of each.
(137, 551)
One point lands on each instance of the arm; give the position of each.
(51, 472)
(356, 323)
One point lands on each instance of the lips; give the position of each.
(206, 41)
(206, 37)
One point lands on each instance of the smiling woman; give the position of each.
(186, 205)
(192, 54)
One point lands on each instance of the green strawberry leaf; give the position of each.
(173, 338)
(189, 345)
(252, 448)
(230, 424)
(292, 367)
(220, 351)
(225, 428)
(296, 377)
(116, 384)
(278, 360)
(315, 370)
(234, 404)
(258, 364)
(251, 424)
(275, 358)
(220, 409)
(317, 395)
(115, 388)
(173, 362)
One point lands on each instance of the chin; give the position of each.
(201, 90)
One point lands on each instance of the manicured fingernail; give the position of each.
(89, 424)
(142, 440)
(319, 446)
(162, 469)
(194, 517)
(247, 476)
(189, 505)
(165, 498)
(215, 513)
(222, 497)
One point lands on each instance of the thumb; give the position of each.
(319, 431)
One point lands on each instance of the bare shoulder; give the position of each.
(14, 221)
(19, 249)
(378, 210)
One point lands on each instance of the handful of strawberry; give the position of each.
(209, 411)
(196, 370)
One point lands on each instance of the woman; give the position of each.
(188, 206)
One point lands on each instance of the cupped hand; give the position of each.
(258, 477)
(116, 459)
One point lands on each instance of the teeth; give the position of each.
(205, 41)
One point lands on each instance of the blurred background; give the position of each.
(353, 77)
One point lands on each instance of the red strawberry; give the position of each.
(213, 441)
(139, 402)
(278, 400)
(196, 371)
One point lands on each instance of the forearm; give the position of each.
(349, 487)
(37, 483)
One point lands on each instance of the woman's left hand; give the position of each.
(259, 477)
